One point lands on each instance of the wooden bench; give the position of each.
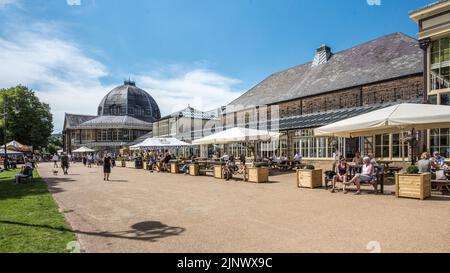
(205, 171)
(284, 166)
(27, 176)
(378, 176)
(205, 168)
(440, 185)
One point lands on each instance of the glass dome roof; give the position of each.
(129, 100)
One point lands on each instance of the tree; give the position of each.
(55, 143)
(28, 120)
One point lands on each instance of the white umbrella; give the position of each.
(235, 135)
(160, 143)
(83, 150)
(397, 118)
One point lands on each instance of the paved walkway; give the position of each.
(141, 212)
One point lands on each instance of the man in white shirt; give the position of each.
(89, 160)
(55, 160)
(225, 157)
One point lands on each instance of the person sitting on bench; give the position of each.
(366, 176)
(230, 168)
(341, 173)
(425, 165)
(27, 171)
(185, 167)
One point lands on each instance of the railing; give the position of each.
(437, 82)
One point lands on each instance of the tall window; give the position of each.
(283, 145)
(399, 147)
(368, 145)
(382, 146)
(313, 147)
(445, 99)
(440, 64)
(321, 147)
(440, 141)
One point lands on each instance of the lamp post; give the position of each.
(5, 161)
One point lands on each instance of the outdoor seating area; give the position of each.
(358, 175)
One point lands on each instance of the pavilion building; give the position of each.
(333, 87)
(124, 115)
(186, 125)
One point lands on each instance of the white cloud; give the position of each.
(73, 2)
(60, 73)
(200, 88)
(4, 3)
(65, 77)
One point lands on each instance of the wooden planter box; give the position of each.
(218, 172)
(258, 175)
(194, 170)
(309, 178)
(130, 164)
(413, 185)
(174, 168)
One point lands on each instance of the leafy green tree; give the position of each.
(52, 149)
(55, 143)
(28, 120)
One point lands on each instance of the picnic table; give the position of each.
(393, 170)
(286, 165)
(386, 163)
(440, 185)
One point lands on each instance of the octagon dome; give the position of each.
(129, 100)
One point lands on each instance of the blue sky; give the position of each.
(199, 52)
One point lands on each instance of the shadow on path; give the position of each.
(117, 180)
(150, 231)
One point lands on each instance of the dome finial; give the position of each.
(129, 82)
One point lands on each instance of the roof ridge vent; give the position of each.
(323, 54)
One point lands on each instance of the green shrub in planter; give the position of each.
(412, 169)
(259, 164)
(310, 167)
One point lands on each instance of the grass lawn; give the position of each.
(29, 218)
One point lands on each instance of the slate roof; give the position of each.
(120, 122)
(391, 56)
(325, 118)
(73, 120)
(190, 112)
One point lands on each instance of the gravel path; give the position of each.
(141, 212)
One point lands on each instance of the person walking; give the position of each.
(89, 160)
(106, 167)
(55, 159)
(65, 163)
